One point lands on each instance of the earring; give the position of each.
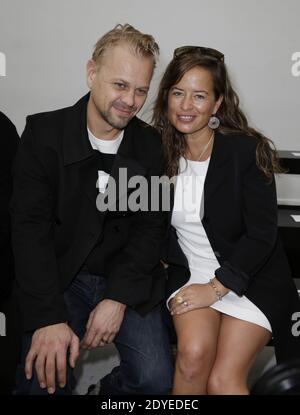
(213, 122)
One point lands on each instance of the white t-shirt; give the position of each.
(105, 146)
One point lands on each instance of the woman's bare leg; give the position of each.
(197, 336)
(238, 345)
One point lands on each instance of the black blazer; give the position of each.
(56, 223)
(9, 143)
(240, 220)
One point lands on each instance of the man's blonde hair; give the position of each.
(142, 44)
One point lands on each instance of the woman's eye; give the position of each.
(176, 93)
(199, 97)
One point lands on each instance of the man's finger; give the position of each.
(40, 362)
(97, 341)
(88, 338)
(74, 351)
(111, 338)
(29, 362)
(88, 324)
(50, 372)
(61, 367)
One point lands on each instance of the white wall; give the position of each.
(47, 43)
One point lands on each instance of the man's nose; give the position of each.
(129, 98)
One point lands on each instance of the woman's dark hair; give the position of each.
(232, 119)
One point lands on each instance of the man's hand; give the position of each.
(49, 348)
(104, 323)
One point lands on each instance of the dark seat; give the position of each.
(283, 379)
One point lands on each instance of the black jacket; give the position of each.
(56, 223)
(9, 143)
(240, 220)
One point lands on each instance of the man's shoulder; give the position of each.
(55, 118)
(145, 133)
(4, 120)
(6, 125)
(48, 118)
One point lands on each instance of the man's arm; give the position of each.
(41, 301)
(9, 143)
(32, 236)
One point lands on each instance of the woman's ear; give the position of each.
(218, 104)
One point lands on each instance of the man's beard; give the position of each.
(115, 121)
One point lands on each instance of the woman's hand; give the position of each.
(191, 297)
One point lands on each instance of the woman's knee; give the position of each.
(223, 382)
(193, 359)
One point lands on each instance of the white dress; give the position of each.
(186, 219)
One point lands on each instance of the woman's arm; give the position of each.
(259, 205)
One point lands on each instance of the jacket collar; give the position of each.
(77, 148)
(220, 156)
(76, 145)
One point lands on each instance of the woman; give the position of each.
(238, 292)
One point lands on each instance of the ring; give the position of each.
(179, 299)
(185, 303)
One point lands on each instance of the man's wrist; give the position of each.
(121, 305)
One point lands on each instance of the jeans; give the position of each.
(142, 342)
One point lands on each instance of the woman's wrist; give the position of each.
(218, 288)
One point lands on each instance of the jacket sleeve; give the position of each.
(9, 144)
(259, 237)
(131, 276)
(41, 301)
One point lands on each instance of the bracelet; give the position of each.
(218, 293)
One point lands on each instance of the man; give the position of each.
(8, 317)
(9, 143)
(85, 274)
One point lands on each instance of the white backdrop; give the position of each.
(47, 43)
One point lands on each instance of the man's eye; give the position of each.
(141, 92)
(120, 85)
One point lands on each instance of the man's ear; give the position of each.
(90, 72)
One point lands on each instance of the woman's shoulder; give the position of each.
(239, 139)
(239, 142)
